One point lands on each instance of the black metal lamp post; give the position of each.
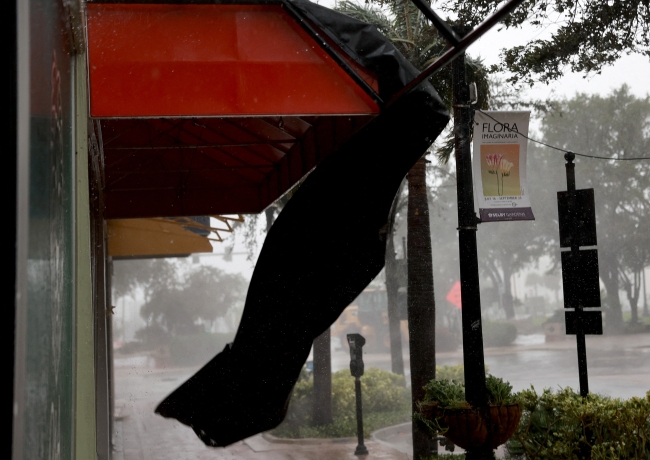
(356, 342)
(467, 221)
(473, 358)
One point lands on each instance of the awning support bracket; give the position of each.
(457, 47)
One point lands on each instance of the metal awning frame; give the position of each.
(457, 45)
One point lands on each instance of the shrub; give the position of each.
(451, 393)
(386, 401)
(451, 373)
(497, 334)
(565, 425)
(456, 372)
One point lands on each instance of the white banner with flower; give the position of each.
(500, 154)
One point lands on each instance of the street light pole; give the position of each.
(473, 360)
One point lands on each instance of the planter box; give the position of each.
(471, 428)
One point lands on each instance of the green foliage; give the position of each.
(450, 394)
(146, 274)
(591, 34)
(456, 373)
(180, 299)
(445, 393)
(499, 391)
(382, 392)
(386, 401)
(565, 425)
(498, 334)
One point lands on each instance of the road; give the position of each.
(619, 366)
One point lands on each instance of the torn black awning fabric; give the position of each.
(325, 247)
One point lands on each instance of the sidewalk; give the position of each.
(180, 443)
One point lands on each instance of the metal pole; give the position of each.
(580, 335)
(473, 359)
(475, 391)
(361, 447)
(356, 342)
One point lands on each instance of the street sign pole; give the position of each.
(580, 334)
(580, 278)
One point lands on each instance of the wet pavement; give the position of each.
(142, 435)
(619, 366)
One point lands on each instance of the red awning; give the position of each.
(186, 167)
(213, 109)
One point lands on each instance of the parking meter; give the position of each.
(356, 342)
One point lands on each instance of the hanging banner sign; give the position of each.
(500, 153)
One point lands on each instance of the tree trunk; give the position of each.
(421, 303)
(392, 287)
(633, 290)
(506, 299)
(609, 275)
(322, 408)
(645, 295)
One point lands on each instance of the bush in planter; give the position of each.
(565, 425)
(497, 334)
(450, 394)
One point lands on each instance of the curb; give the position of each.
(375, 436)
(306, 441)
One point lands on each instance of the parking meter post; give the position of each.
(356, 342)
(361, 447)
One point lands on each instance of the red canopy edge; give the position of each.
(197, 60)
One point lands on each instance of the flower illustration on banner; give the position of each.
(504, 168)
(493, 160)
(499, 166)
